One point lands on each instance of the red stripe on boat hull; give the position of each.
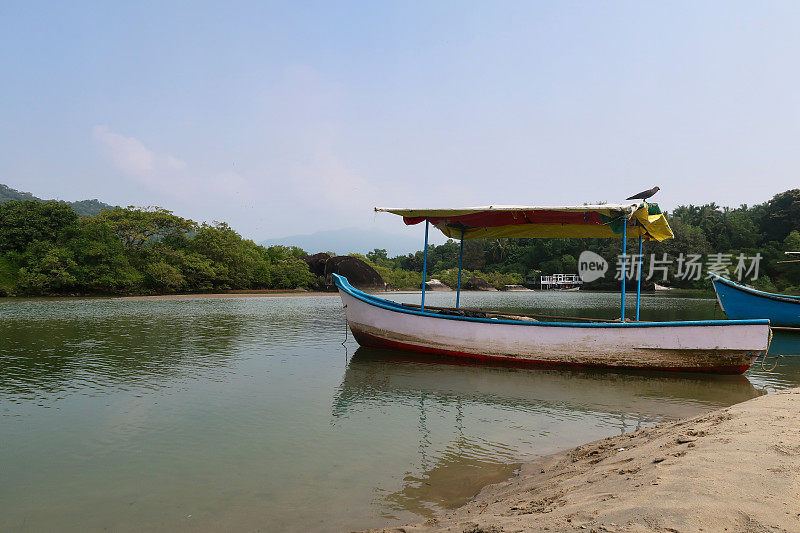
(367, 340)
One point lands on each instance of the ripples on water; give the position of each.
(248, 413)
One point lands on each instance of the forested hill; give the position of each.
(82, 207)
(46, 247)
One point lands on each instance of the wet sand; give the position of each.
(733, 469)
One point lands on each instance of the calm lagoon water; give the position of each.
(248, 413)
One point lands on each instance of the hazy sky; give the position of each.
(284, 118)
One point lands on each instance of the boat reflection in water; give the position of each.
(373, 373)
(476, 423)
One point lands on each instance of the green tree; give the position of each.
(23, 222)
(234, 259)
(379, 256)
(103, 264)
(53, 269)
(279, 252)
(291, 273)
(164, 277)
(782, 215)
(138, 227)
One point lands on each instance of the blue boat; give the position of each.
(740, 302)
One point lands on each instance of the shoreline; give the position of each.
(185, 296)
(262, 293)
(250, 293)
(243, 293)
(732, 469)
(238, 293)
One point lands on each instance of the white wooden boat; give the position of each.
(718, 346)
(662, 287)
(726, 347)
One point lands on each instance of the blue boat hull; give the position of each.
(740, 302)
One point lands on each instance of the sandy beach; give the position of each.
(733, 469)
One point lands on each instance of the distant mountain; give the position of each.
(7, 193)
(82, 207)
(343, 241)
(88, 207)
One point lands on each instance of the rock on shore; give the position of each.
(515, 288)
(476, 283)
(434, 284)
(357, 272)
(734, 469)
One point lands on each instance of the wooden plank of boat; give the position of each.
(465, 311)
(739, 302)
(718, 346)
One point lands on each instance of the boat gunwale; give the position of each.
(343, 284)
(785, 298)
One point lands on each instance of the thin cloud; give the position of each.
(129, 155)
(327, 181)
(164, 173)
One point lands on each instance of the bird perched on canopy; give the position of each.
(644, 195)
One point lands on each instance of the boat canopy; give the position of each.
(514, 221)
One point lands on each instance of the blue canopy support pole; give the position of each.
(460, 258)
(624, 259)
(424, 264)
(639, 280)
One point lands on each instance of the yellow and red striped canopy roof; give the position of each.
(513, 221)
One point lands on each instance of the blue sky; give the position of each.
(285, 118)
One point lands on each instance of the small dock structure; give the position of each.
(560, 281)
